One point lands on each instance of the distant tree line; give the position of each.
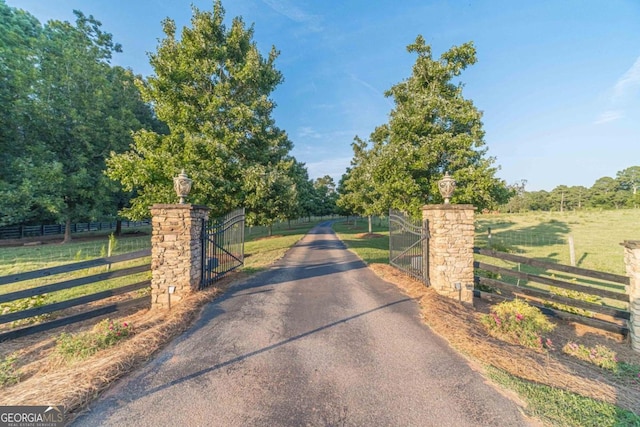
(606, 193)
(83, 140)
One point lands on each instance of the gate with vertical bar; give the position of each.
(222, 246)
(408, 245)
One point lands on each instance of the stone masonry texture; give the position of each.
(451, 230)
(176, 251)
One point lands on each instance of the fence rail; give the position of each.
(22, 231)
(580, 299)
(16, 295)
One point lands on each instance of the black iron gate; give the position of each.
(222, 246)
(408, 245)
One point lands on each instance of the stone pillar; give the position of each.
(632, 262)
(450, 245)
(176, 251)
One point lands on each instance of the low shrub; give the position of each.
(103, 335)
(519, 323)
(605, 358)
(8, 372)
(26, 304)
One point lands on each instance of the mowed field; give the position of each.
(545, 235)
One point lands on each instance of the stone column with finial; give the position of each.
(450, 244)
(176, 247)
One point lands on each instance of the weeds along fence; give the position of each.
(22, 231)
(44, 299)
(585, 296)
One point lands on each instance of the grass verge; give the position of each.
(562, 408)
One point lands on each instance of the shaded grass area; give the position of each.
(371, 249)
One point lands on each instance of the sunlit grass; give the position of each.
(261, 250)
(370, 249)
(562, 408)
(545, 235)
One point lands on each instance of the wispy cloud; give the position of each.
(308, 132)
(288, 9)
(609, 116)
(365, 84)
(334, 167)
(629, 83)
(626, 89)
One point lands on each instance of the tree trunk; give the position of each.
(270, 230)
(67, 231)
(370, 228)
(118, 231)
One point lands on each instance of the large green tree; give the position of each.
(211, 87)
(433, 129)
(358, 192)
(325, 196)
(629, 180)
(28, 174)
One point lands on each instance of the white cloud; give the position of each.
(624, 92)
(629, 83)
(308, 132)
(365, 84)
(291, 11)
(609, 116)
(335, 168)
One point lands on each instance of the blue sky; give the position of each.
(558, 81)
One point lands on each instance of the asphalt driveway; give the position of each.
(317, 340)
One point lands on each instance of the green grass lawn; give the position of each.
(545, 235)
(370, 249)
(262, 250)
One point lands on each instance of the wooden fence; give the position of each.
(590, 297)
(22, 231)
(58, 308)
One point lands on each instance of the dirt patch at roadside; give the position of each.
(368, 236)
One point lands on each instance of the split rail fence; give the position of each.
(585, 296)
(75, 281)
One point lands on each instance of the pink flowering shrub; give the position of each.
(519, 323)
(599, 355)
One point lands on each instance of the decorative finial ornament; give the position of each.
(182, 185)
(446, 186)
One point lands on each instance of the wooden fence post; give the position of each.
(632, 262)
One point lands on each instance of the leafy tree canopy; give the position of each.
(432, 129)
(211, 87)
